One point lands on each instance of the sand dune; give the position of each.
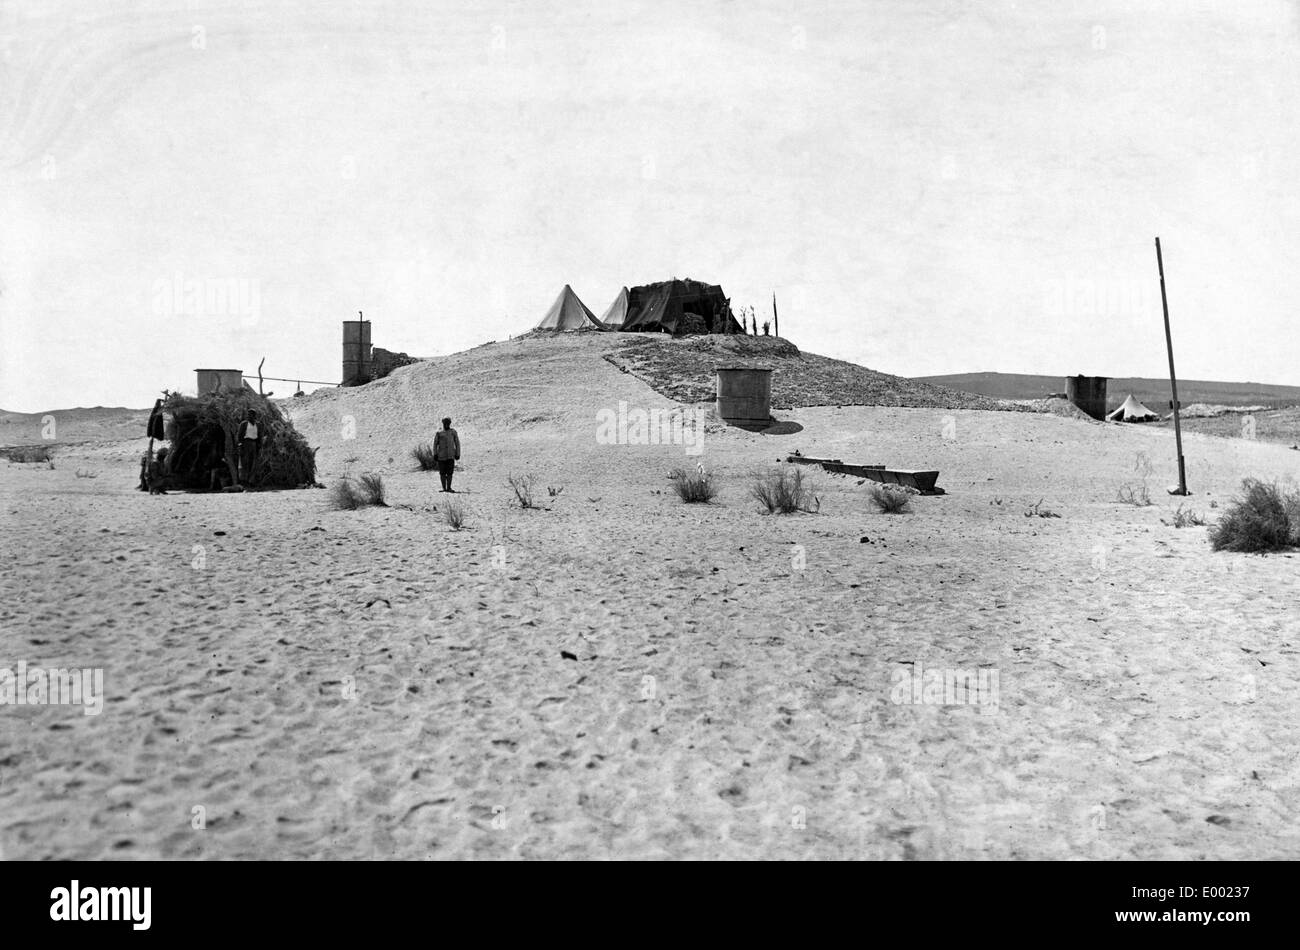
(619, 674)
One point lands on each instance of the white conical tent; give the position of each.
(569, 313)
(1132, 411)
(617, 312)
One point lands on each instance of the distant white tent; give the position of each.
(569, 313)
(1132, 411)
(613, 317)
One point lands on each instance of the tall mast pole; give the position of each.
(1173, 377)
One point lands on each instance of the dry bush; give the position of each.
(28, 453)
(454, 514)
(1259, 520)
(783, 491)
(890, 499)
(345, 496)
(424, 457)
(522, 485)
(348, 495)
(693, 487)
(1186, 518)
(1135, 495)
(1036, 510)
(372, 489)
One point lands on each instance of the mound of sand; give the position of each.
(1204, 410)
(1057, 407)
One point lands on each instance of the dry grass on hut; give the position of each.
(203, 430)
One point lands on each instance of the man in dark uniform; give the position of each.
(446, 449)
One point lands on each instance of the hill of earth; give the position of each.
(100, 423)
(1152, 392)
(502, 375)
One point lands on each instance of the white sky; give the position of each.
(929, 186)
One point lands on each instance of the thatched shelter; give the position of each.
(202, 432)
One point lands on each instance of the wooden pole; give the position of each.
(1173, 377)
(259, 377)
(776, 321)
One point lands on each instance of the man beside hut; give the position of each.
(159, 473)
(446, 449)
(250, 440)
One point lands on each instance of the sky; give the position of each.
(928, 186)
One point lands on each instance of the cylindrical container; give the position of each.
(745, 395)
(356, 351)
(1088, 393)
(210, 380)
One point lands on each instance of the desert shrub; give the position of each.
(522, 486)
(783, 491)
(693, 487)
(1258, 520)
(28, 453)
(1186, 518)
(553, 491)
(454, 514)
(890, 499)
(424, 457)
(1135, 495)
(372, 489)
(345, 496)
(348, 495)
(1291, 502)
(1036, 510)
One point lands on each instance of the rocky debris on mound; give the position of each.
(734, 345)
(1201, 410)
(683, 370)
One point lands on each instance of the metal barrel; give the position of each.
(209, 380)
(356, 351)
(1088, 393)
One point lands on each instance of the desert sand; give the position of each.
(620, 675)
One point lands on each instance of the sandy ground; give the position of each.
(372, 684)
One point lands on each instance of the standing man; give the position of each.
(446, 449)
(250, 440)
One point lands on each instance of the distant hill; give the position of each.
(1152, 392)
(99, 423)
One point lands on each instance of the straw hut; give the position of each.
(202, 431)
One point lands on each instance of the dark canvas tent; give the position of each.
(1132, 411)
(679, 306)
(613, 317)
(569, 313)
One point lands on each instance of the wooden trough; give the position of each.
(923, 480)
